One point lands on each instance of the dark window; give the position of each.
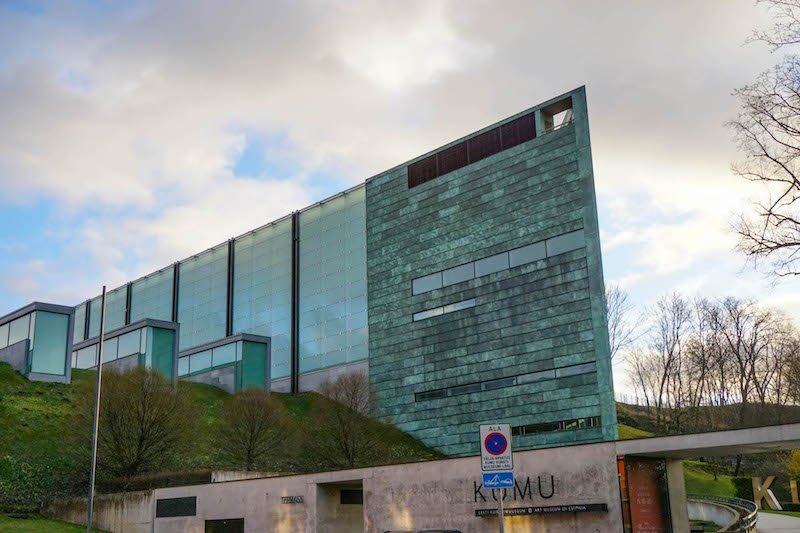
(465, 389)
(561, 425)
(176, 507)
(422, 171)
(228, 525)
(499, 383)
(517, 131)
(484, 145)
(430, 395)
(453, 158)
(462, 154)
(351, 497)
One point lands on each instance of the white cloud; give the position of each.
(131, 121)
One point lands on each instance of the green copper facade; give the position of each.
(515, 330)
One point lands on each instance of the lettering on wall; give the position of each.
(543, 488)
(292, 499)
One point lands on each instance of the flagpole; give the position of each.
(96, 424)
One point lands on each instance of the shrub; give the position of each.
(743, 487)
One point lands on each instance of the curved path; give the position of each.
(776, 523)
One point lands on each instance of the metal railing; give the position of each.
(748, 512)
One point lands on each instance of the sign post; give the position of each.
(497, 462)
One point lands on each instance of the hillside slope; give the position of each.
(38, 458)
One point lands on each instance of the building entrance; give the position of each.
(340, 507)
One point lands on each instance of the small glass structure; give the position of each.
(35, 340)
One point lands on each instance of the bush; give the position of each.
(744, 487)
(146, 423)
(788, 506)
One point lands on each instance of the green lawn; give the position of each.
(43, 525)
(628, 432)
(795, 514)
(707, 526)
(700, 480)
(38, 459)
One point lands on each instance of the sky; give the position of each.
(137, 133)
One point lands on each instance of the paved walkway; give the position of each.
(775, 523)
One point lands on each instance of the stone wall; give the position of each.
(435, 494)
(131, 512)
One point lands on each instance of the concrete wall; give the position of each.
(223, 377)
(535, 317)
(123, 364)
(120, 513)
(722, 515)
(312, 381)
(16, 355)
(676, 487)
(443, 494)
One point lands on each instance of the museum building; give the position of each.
(466, 282)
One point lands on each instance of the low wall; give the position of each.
(722, 515)
(130, 512)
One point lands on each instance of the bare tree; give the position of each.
(352, 390)
(145, 422)
(253, 421)
(767, 132)
(343, 437)
(620, 329)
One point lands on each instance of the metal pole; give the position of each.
(92, 471)
(500, 514)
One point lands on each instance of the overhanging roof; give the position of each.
(732, 442)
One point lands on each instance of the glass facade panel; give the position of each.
(95, 309)
(458, 274)
(492, 264)
(110, 349)
(183, 366)
(333, 282)
(566, 243)
(115, 308)
(3, 335)
(202, 297)
(527, 254)
(49, 352)
(151, 296)
(200, 361)
(19, 329)
(80, 323)
(87, 357)
(129, 343)
(427, 283)
(224, 354)
(262, 289)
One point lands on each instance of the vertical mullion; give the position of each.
(295, 321)
(176, 272)
(88, 314)
(128, 290)
(229, 298)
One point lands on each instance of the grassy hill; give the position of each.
(37, 459)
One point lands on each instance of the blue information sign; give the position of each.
(498, 480)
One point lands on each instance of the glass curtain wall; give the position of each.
(95, 308)
(116, 301)
(48, 334)
(333, 282)
(80, 323)
(49, 343)
(154, 348)
(262, 289)
(202, 297)
(151, 296)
